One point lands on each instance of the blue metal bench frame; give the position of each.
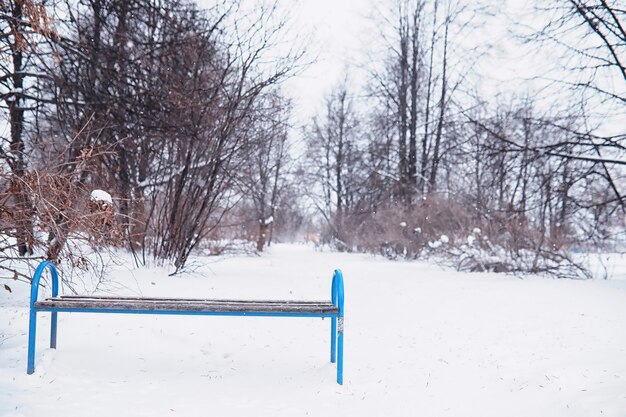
(337, 315)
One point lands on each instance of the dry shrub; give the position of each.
(65, 210)
(65, 225)
(454, 233)
(396, 231)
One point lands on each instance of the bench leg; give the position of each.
(340, 353)
(333, 339)
(32, 337)
(53, 331)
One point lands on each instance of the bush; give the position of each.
(452, 232)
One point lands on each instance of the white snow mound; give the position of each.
(100, 195)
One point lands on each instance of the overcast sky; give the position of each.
(339, 30)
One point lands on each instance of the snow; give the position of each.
(100, 195)
(420, 340)
(434, 245)
(437, 243)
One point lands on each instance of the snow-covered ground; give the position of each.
(420, 340)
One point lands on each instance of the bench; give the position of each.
(184, 306)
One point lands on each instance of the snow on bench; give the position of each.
(184, 306)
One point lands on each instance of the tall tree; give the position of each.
(162, 91)
(334, 158)
(262, 170)
(24, 24)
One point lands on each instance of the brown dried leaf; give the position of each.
(6, 287)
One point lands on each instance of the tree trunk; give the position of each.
(402, 110)
(425, 139)
(24, 206)
(442, 109)
(414, 75)
(260, 242)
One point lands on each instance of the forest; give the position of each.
(180, 112)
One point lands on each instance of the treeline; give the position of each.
(420, 163)
(175, 111)
(179, 113)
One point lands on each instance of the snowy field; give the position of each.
(420, 341)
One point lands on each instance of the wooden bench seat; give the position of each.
(183, 306)
(197, 305)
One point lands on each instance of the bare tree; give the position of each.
(422, 74)
(591, 37)
(334, 161)
(24, 25)
(262, 171)
(170, 140)
(399, 87)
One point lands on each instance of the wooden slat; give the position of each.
(218, 306)
(159, 299)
